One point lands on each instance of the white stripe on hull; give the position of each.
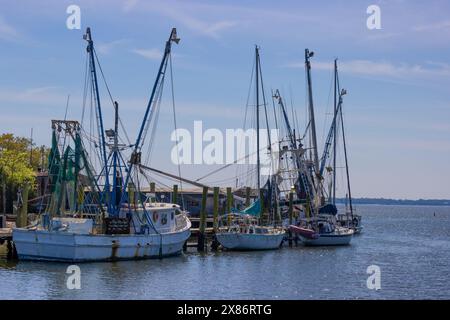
(245, 241)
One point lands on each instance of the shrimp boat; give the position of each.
(104, 216)
(243, 230)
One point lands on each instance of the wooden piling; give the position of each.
(247, 196)
(11, 253)
(214, 243)
(202, 227)
(216, 208)
(22, 213)
(175, 194)
(291, 212)
(153, 191)
(262, 214)
(229, 204)
(131, 194)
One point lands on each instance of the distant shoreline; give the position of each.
(382, 201)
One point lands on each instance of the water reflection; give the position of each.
(409, 244)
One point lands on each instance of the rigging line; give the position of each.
(153, 121)
(175, 125)
(103, 77)
(85, 89)
(247, 105)
(110, 95)
(154, 103)
(143, 206)
(157, 110)
(152, 178)
(296, 123)
(67, 107)
(274, 109)
(265, 107)
(230, 164)
(327, 113)
(246, 175)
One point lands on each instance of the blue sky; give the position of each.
(397, 111)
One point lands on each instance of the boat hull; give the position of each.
(304, 232)
(63, 246)
(328, 240)
(245, 241)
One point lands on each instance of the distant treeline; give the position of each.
(382, 201)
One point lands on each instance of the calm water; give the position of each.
(411, 245)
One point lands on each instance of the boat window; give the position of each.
(172, 215)
(164, 218)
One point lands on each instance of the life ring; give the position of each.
(155, 216)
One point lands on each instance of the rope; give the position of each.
(175, 127)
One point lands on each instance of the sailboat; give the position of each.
(321, 228)
(243, 230)
(109, 218)
(348, 219)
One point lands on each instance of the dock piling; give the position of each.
(229, 204)
(202, 227)
(175, 194)
(291, 211)
(214, 243)
(22, 212)
(247, 196)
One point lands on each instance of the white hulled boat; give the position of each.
(122, 222)
(244, 233)
(242, 230)
(77, 239)
(322, 231)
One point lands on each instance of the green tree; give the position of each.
(19, 160)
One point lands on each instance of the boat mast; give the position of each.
(258, 164)
(308, 55)
(90, 50)
(346, 164)
(136, 155)
(115, 155)
(334, 134)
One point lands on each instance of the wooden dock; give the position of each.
(5, 234)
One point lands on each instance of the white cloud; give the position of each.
(152, 54)
(191, 16)
(107, 47)
(128, 5)
(7, 32)
(434, 26)
(49, 96)
(382, 68)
